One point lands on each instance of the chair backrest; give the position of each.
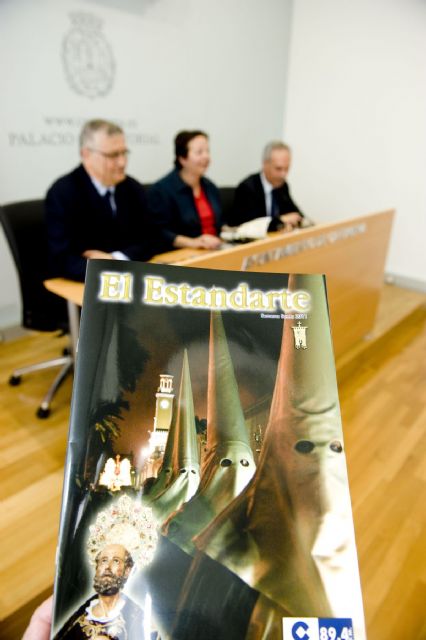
(227, 199)
(24, 227)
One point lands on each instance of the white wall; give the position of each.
(220, 66)
(356, 117)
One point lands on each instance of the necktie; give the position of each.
(275, 224)
(109, 203)
(275, 209)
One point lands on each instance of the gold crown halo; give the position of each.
(128, 523)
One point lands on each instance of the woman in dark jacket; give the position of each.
(184, 204)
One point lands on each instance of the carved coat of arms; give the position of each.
(87, 57)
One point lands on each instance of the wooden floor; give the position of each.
(32, 458)
(383, 400)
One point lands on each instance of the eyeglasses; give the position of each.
(114, 155)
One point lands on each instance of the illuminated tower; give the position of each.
(162, 420)
(164, 404)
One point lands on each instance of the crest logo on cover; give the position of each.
(87, 57)
(299, 333)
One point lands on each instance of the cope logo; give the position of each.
(318, 629)
(300, 628)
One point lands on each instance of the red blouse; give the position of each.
(205, 213)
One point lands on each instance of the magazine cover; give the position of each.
(206, 493)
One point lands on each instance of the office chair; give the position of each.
(24, 227)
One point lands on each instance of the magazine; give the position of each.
(206, 492)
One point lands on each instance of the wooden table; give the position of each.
(351, 253)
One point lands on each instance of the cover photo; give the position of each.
(206, 493)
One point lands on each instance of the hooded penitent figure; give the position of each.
(272, 536)
(179, 475)
(228, 464)
(227, 468)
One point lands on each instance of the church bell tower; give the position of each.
(164, 403)
(163, 414)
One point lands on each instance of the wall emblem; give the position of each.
(300, 336)
(87, 57)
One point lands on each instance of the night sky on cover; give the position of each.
(151, 339)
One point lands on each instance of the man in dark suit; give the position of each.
(267, 193)
(97, 211)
